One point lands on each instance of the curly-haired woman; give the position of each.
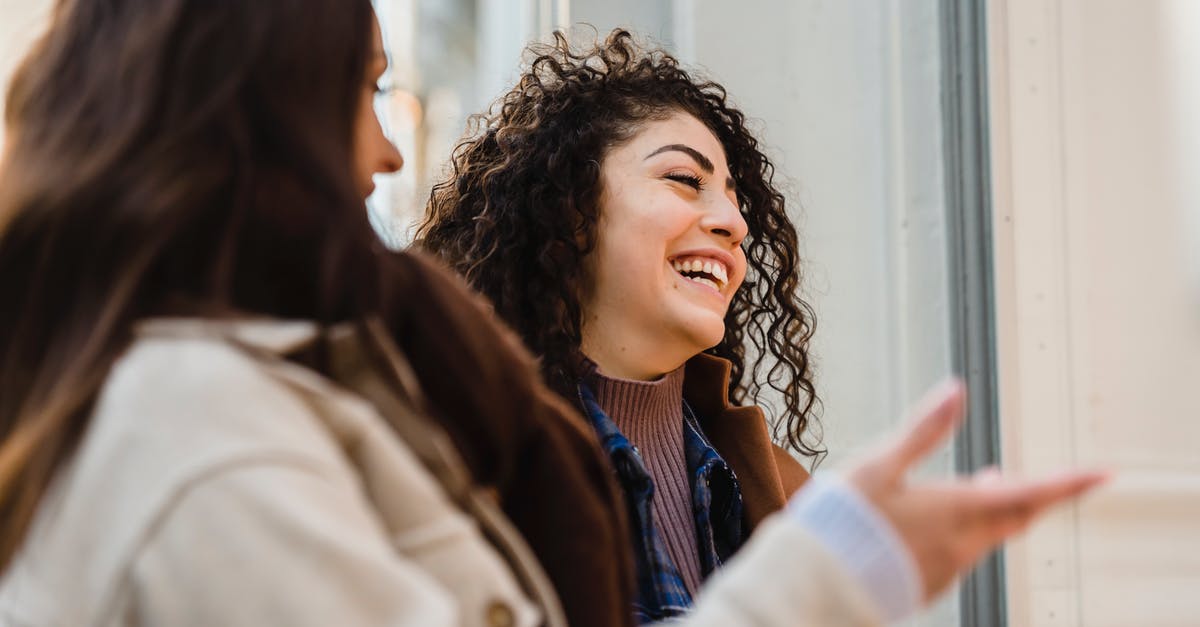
(620, 216)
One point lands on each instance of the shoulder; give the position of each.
(200, 395)
(272, 529)
(174, 413)
(184, 404)
(160, 370)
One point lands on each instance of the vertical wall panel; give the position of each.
(1100, 333)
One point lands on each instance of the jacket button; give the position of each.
(499, 614)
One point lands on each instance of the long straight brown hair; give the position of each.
(168, 157)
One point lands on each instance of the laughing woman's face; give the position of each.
(668, 255)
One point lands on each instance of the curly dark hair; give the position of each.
(519, 213)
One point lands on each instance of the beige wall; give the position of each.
(1099, 328)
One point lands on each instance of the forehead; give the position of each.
(678, 128)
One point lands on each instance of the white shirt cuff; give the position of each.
(863, 541)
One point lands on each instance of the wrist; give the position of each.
(863, 540)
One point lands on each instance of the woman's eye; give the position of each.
(690, 180)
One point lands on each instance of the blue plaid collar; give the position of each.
(716, 505)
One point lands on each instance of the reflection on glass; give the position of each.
(432, 83)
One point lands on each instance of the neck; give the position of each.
(629, 354)
(634, 404)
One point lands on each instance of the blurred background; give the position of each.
(1005, 189)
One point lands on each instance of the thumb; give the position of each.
(937, 415)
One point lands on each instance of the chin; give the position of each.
(697, 328)
(707, 336)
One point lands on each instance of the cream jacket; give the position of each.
(219, 484)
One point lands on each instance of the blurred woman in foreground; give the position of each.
(198, 310)
(222, 402)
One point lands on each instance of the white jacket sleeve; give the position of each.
(865, 542)
(829, 560)
(784, 576)
(278, 544)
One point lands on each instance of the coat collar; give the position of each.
(268, 335)
(767, 473)
(706, 384)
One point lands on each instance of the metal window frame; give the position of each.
(982, 598)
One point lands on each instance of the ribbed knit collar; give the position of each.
(626, 400)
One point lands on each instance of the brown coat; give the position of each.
(768, 474)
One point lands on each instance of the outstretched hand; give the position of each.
(950, 524)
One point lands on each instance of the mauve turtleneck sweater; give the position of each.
(650, 415)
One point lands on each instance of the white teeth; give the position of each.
(712, 268)
(719, 272)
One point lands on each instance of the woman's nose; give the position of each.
(390, 160)
(726, 221)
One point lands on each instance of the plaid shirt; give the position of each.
(716, 505)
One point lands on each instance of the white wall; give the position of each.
(649, 18)
(1099, 332)
(20, 22)
(1183, 48)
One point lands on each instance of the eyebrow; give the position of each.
(704, 162)
(699, 157)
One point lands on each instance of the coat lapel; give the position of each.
(768, 474)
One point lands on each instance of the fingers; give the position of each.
(993, 509)
(938, 413)
(994, 499)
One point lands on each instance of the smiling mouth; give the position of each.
(703, 270)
